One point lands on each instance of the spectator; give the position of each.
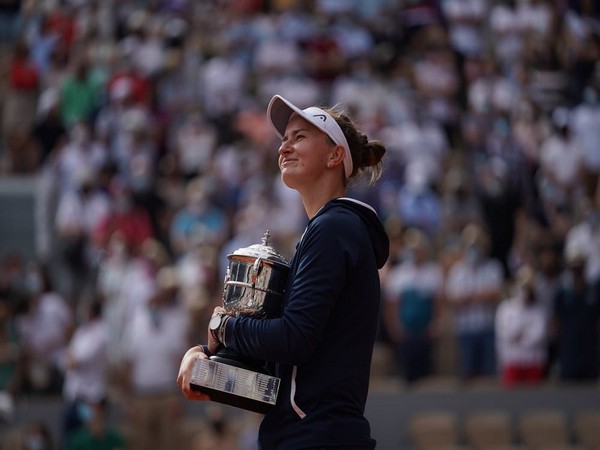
(585, 123)
(45, 42)
(194, 142)
(154, 341)
(60, 19)
(322, 55)
(412, 309)
(134, 151)
(81, 154)
(48, 130)
(521, 333)
(577, 315)
(79, 95)
(419, 204)
(86, 368)
(18, 111)
(582, 44)
(44, 325)
(466, 25)
(548, 266)
(499, 174)
(149, 53)
(584, 236)
(79, 213)
(119, 116)
(116, 280)
(561, 163)
(224, 79)
(422, 142)
(436, 80)
(199, 215)
(129, 280)
(474, 286)
(126, 218)
(96, 432)
(128, 81)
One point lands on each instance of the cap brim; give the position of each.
(279, 112)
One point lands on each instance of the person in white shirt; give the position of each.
(156, 337)
(474, 285)
(522, 332)
(43, 327)
(585, 124)
(584, 237)
(561, 163)
(86, 366)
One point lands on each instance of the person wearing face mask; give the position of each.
(474, 285)
(413, 291)
(321, 346)
(96, 433)
(86, 366)
(522, 332)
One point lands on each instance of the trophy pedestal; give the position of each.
(235, 386)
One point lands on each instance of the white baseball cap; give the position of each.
(280, 110)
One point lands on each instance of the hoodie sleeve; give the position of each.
(324, 259)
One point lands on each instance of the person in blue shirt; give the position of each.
(321, 346)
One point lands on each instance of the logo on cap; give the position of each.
(321, 116)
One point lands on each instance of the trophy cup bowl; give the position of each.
(253, 287)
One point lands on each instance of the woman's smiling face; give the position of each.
(303, 153)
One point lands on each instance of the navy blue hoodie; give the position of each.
(322, 345)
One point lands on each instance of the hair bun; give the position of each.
(375, 151)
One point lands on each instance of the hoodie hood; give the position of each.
(377, 234)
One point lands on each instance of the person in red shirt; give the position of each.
(128, 219)
(20, 109)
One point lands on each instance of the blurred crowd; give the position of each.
(143, 123)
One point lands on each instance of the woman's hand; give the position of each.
(185, 373)
(213, 344)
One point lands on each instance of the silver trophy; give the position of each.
(253, 287)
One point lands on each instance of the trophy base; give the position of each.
(235, 386)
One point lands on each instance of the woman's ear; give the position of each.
(336, 156)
